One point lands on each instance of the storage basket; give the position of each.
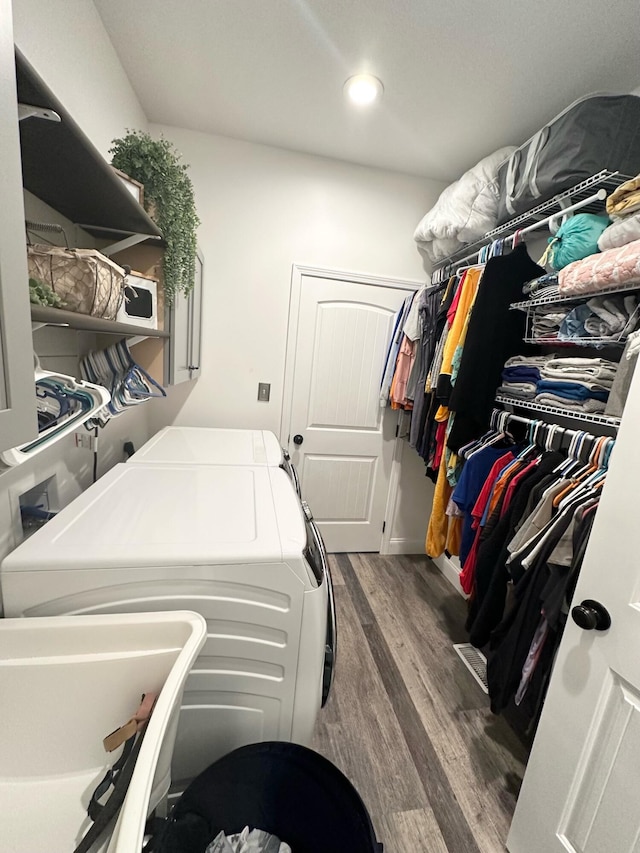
(86, 281)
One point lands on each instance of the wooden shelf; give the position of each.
(62, 168)
(87, 323)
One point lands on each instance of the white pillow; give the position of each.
(468, 208)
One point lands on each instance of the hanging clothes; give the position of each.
(404, 364)
(438, 538)
(393, 349)
(528, 530)
(428, 301)
(458, 315)
(437, 301)
(494, 334)
(491, 575)
(538, 589)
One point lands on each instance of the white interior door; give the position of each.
(580, 791)
(337, 347)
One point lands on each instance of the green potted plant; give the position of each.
(168, 198)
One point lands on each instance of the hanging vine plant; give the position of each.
(168, 198)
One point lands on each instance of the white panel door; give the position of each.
(346, 452)
(580, 791)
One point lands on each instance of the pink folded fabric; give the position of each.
(605, 269)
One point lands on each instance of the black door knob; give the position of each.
(591, 616)
(298, 439)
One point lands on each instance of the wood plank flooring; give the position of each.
(406, 721)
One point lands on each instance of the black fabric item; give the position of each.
(512, 639)
(492, 576)
(105, 815)
(444, 388)
(562, 579)
(557, 593)
(282, 788)
(531, 704)
(536, 494)
(429, 437)
(494, 334)
(431, 318)
(421, 435)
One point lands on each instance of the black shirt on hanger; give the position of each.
(494, 334)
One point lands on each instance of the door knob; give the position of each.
(591, 615)
(298, 439)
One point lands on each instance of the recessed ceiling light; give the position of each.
(363, 89)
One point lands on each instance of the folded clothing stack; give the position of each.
(623, 206)
(608, 317)
(521, 375)
(576, 384)
(624, 230)
(543, 287)
(547, 322)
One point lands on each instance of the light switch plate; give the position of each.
(264, 391)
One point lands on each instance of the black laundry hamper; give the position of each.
(283, 788)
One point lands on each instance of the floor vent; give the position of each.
(475, 662)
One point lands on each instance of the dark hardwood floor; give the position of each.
(406, 721)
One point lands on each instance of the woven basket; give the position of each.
(86, 281)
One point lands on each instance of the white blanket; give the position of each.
(466, 209)
(621, 231)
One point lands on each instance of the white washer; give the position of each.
(214, 446)
(230, 543)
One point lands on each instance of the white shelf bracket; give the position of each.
(137, 339)
(121, 245)
(29, 111)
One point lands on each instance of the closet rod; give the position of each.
(563, 431)
(599, 196)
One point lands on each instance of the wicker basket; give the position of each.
(86, 281)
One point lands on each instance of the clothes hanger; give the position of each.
(582, 476)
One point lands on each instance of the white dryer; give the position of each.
(230, 543)
(215, 446)
(182, 445)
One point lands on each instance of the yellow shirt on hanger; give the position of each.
(469, 287)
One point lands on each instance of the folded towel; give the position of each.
(580, 369)
(521, 390)
(521, 374)
(589, 406)
(548, 321)
(574, 390)
(528, 360)
(611, 311)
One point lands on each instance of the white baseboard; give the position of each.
(450, 568)
(404, 546)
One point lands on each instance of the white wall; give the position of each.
(67, 45)
(262, 210)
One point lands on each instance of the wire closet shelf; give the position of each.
(553, 208)
(558, 411)
(560, 298)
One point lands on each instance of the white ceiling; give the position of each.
(461, 77)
